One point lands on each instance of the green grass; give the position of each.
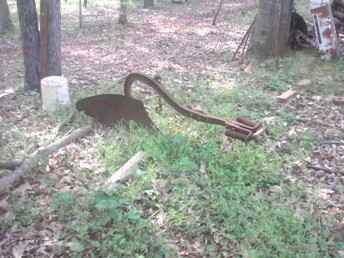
(220, 198)
(24, 213)
(108, 224)
(198, 191)
(189, 188)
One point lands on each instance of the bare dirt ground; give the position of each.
(171, 38)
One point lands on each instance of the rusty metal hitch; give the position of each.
(109, 109)
(243, 129)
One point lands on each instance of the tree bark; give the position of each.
(148, 3)
(123, 12)
(5, 20)
(271, 31)
(31, 46)
(50, 38)
(44, 28)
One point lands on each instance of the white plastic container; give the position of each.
(318, 3)
(325, 30)
(55, 93)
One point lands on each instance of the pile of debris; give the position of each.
(338, 14)
(300, 35)
(319, 34)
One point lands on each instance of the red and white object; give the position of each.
(325, 30)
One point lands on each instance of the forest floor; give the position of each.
(198, 194)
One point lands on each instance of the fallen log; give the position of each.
(32, 161)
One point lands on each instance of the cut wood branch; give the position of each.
(34, 159)
(126, 171)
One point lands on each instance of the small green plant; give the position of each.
(63, 203)
(25, 212)
(109, 225)
(253, 102)
(288, 117)
(340, 65)
(277, 83)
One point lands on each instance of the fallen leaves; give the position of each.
(323, 171)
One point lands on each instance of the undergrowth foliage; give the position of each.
(191, 192)
(219, 199)
(107, 224)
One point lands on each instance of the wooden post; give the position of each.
(44, 27)
(30, 36)
(50, 38)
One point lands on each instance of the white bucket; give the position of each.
(55, 93)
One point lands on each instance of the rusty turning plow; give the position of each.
(109, 109)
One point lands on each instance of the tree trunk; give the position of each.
(148, 3)
(271, 31)
(123, 12)
(5, 21)
(30, 37)
(50, 38)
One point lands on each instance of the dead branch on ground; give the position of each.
(34, 159)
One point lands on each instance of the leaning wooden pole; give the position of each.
(218, 11)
